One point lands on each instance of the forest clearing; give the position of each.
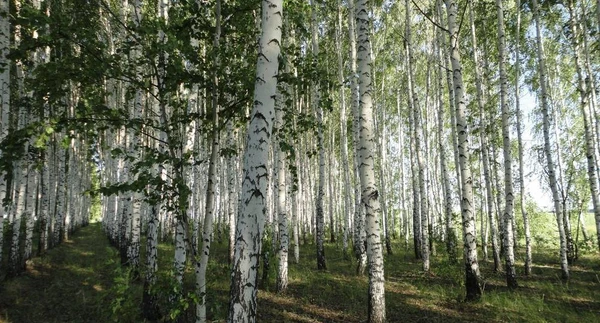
(299, 160)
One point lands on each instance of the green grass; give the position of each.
(80, 281)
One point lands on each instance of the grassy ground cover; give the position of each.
(81, 281)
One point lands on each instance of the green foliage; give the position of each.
(88, 268)
(123, 305)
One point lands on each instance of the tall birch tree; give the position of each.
(316, 102)
(564, 264)
(4, 103)
(584, 94)
(359, 214)
(366, 151)
(472, 276)
(509, 257)
(243, 288)
(520, 141)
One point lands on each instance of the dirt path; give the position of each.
(71, 283)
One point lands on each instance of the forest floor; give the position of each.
(81, 281)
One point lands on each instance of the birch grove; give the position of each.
(223, 136)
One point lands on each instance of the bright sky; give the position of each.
(534, 188)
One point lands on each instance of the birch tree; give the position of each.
(207, 228)
(243, 288)
(547, 150)
(366, 150)
(343, 131)
(520, 141)
(511, 275)
(584, 94)
(359, 216)
(282, 254)
(447, 193)
(4, 103)
(316, 102)
(472, 276)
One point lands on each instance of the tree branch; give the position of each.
(426, 16)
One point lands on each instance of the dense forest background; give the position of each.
(246, 144)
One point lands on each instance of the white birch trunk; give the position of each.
(564, 264)
(30, 207)
(359, 227)
(403, 211)
(520, 143)
(584, 101)
(4, 103)
(370, 195)
(316, 103)
(417, 130)
(343, 134)
(20, 172)
(149, 300)
(282, 252)
(447, 193)
(232, 183)
(243, 289)
(472, 284)
(207, 229)
(484, 146)
(509, 256)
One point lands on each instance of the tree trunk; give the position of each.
(584, 99)
(359, 216)
(282, 252)
(484, 146)
(511, 275)
(207, 228)
(418, 169)
(243, 290)
(343, 134)
(520, 143)
(447, 193)
(370, 196)
(4, 103)
(403, 211)
(473, 280)
(564, 264)
(316, 103)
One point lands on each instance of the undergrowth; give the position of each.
(82, 281)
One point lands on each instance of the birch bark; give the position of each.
(343, 133)
(584, 101)
(282, 254)
(207, 228)
(370, 195)
(243, 289)
(316, 97)
(359, 219)
(520, 141)
(511, 275)
(564, 264)
(4, 103)
(473, 279)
